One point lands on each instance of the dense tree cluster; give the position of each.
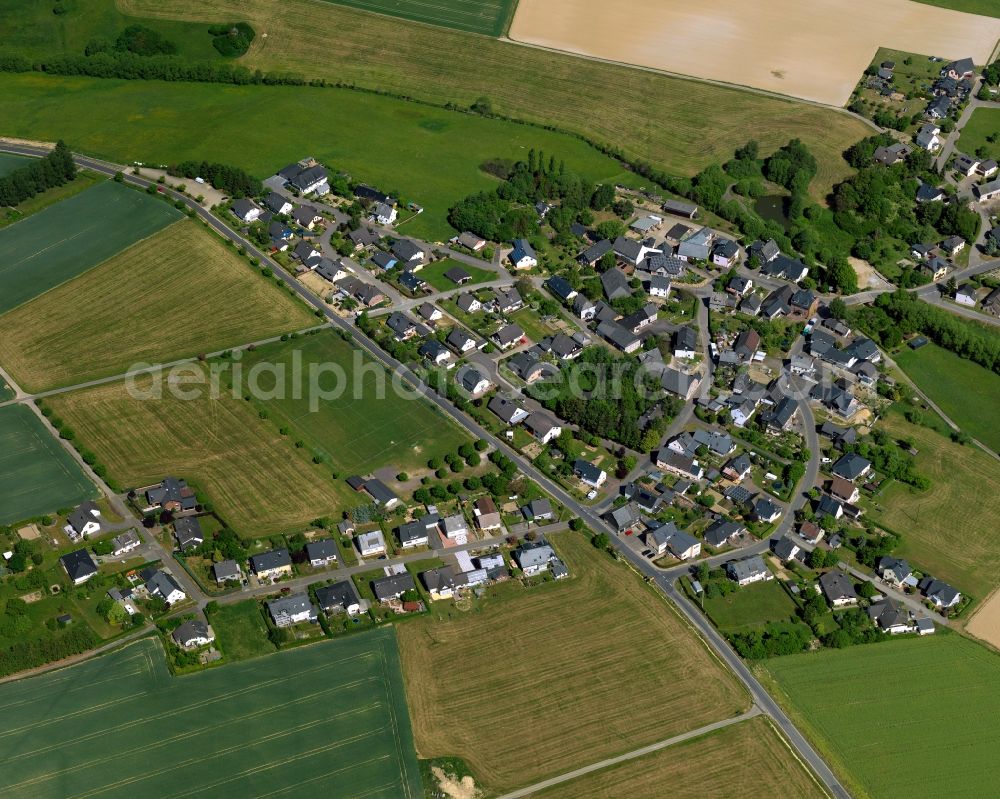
(29, 654)
(895, 316)
(234, 40)
(230, 179)
(777, 638)
(135, 39)
(22, 184)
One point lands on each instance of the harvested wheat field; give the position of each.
(985, 623)
(571, 672)
(713, 765)
(814, 50)
(258, 481)
(172, 295)
(649, 116)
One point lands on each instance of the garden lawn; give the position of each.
(369, 425)
(185, 291)
(609, 104)
(712, 765)
(968, 393)
(557, 654)
(37, 476)
(909, 717)
(70, 237)
(434, 274)
(750, 607)
(259, 483)
(418, 153)
(328, 719)
(983, 122)
(240, 630)
(953, 529)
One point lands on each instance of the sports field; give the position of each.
(8, 163)
(475, 16)
(910, 717)
(368, 425)
(260, 484)
(423, 154)
(952, 529)
(185, 291)
(611, 104)
(37, 475)
(327, 720)
(968, 393)
(580, 670)
(70, 237)
(710, 766)
(819, 55)
(984, 123)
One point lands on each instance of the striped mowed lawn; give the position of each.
(328, 719)
(172, 295)
(37, 476)
(70, 237)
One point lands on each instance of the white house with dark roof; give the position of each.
(542, 427)
(747, 571)
(84, 521)
(293, 609)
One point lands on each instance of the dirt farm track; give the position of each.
(811, 49)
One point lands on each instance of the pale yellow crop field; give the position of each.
(813, 49)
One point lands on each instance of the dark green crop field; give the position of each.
(37, 475)
(70, 237)
(323, 720)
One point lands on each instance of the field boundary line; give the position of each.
(753, 712)
(795, 755)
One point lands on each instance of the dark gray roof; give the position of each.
(615, 284)
(837, 585)
(340, 594)
(850, 466)
(323, 549)
(392, 586)
(189, 532)
(273, 559)
(78, 564)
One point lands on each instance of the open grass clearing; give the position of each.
(557, 655)
(475, 16)
(750, 607)
(260, 484)
(84, 180)
(370, 424)
(712, 765)
(909, 717)
(37, 475)
(607, 103)
(185, 292)
(968, 393)
(983, 123)
(434, 274)
(428, 155)
(952, 530)
(70, 237)
(240, 630)
(329, 718)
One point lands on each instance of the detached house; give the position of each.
(321, 553)
(293, 609)
(523, 255)
(79, 566)
(271, 565)
(838, 589)
(370, 543)
(487, 515)
(246, 210)
(188, 532)
(338, 598)
(84, 521)
(542, 427)
(748, 571)
(162, 585)
(589, 474)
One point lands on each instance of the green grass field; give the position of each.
(37, 475)
(328, 719)
(914, 717)
(651, 117)
(750, 607)
(84, 180)
(185, 291)
(491, 17)
(984, 122)
(259, 482)
(240, 630)
(424, 154)
(8, 163)
(434, 274)
(965, 391)
(951, 529)
(363, 429)
(70, 237)
(34, 29)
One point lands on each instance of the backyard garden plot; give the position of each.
(475, 16)
(370, 425)
(952, 530)
(821, 51)
(258, 481)
(909, 717)
(587, 668)
(185, 292)
(70, 237)
(326, 720)
(37, 476)
(713, 765)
